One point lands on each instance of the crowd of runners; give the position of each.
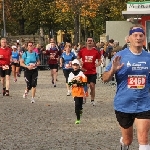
(129, 65)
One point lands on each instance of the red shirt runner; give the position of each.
(6, 53)
(53, 56)
(89, 59)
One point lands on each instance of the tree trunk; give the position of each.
(21, 23)
(76, 28)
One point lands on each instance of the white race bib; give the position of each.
(15, 60)
(5, 67)
(33, 64)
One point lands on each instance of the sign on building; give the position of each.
(138, 6)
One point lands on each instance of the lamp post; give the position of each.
(4, 24)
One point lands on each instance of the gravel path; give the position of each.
(48, 124)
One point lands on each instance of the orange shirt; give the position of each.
(77, 91)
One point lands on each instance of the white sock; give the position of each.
(144, 147)
(124, 147)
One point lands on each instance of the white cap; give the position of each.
(76, 61)
(14, 46)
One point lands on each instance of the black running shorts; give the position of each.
(126, 120)
(53, 66)
(91, 78)
(66, 73)
(15, 64)
(3, 73)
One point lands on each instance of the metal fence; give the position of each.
(100, 70)
(44, 62)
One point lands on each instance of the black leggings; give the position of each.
(31, 78)
(78, 106)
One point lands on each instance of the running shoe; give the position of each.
(77, 122)
(7, 93)
(32, 100)
(124, 148)
(15, 80)
(93, 103)
(68, 93)
(25, 94)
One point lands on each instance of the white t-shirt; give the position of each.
(75, 52)
(48, 46)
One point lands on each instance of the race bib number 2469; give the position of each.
(136, 81)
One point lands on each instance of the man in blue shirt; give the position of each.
(131, 68)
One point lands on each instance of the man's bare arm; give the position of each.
(107, 76)
(116, 65)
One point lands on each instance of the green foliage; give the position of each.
(27, 16)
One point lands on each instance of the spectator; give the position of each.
(116, 48)
(127, 45)
(75, 50)
(109, 49)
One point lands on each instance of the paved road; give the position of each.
(48, 124)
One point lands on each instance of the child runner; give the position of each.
(77, 80)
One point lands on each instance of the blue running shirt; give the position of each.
(67, 60)
(15, 55)
(132, 94)
(30, 58)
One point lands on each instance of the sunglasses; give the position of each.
(30, 45)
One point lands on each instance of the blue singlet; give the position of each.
(15, 55)
(67, 59)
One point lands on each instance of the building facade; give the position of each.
(139, 12)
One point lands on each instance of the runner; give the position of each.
(65, 62)
(30, 61)
(15, 62)
(89, 55)
(20, 55)
(49, 46)
(5, 68)
(77, 80)
(131, 67)
(53, 59)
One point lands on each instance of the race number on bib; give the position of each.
(136, 81)
(15, 60)
(69, 65)
(33, 65)
(5, 67)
